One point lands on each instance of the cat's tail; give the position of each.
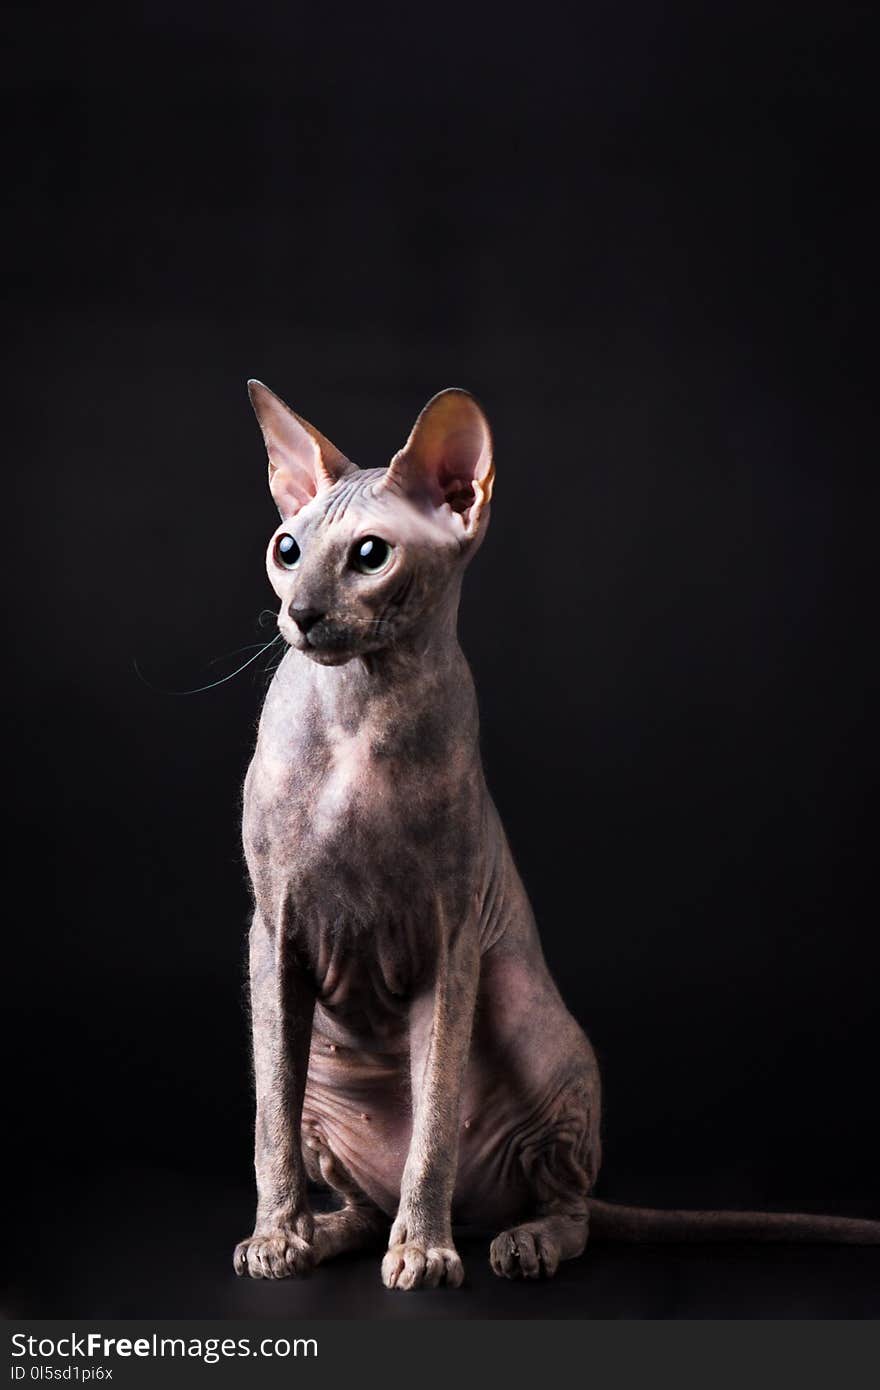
(608, 1221)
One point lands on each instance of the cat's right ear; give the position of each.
(301, 461)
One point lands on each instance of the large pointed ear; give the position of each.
(447, 460)
(301, 461)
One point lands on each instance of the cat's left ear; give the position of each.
(447, 460)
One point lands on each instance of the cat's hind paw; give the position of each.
(524, 1253)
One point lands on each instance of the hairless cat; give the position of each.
(411, 1051)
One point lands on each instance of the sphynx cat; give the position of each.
(411, 1051)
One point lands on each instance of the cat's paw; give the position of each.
(524, 1253)
(412, 1265)
(278, 1255)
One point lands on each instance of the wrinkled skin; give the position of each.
(411, 1051)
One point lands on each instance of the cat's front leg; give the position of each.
(421, 1252)
(282, 1007)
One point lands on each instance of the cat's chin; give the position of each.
(332, 658)
(327, 656)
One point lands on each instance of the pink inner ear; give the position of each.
(291, 488)
(447, 460)
(457, 492)
(459, 465)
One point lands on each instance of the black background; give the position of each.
(641, 235)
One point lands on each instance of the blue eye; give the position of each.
(370, 555)
(287, 552)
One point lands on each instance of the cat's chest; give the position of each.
(322, 798)
(350, 834)
(363, 840)
(333, 848)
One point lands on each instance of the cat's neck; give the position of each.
(427, 670)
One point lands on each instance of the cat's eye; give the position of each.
(287, 552)
(370, 555)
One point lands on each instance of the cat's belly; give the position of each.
(357, 1105)
(530, 1098)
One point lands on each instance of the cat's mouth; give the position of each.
(325, 644)
(326, 656)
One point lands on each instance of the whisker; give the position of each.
(251, 646)
(267, 674)
(198, 690)
(273, 665)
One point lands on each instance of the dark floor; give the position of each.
(159, 1247)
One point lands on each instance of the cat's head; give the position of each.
(363, 557)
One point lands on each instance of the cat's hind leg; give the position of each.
(560, 1160)
(358, 1224)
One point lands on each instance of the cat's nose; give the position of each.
(305, 618)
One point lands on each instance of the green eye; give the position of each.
(287, 552)
(370, 555)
